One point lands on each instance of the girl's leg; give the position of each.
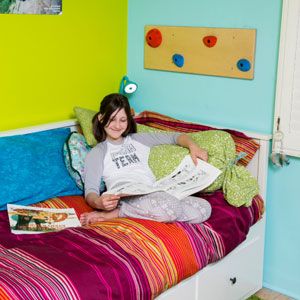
(195, 210)
(163, 207)
(158, 206)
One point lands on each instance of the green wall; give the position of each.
(51, 63)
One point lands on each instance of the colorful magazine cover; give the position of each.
(32, 220)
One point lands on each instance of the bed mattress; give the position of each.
(120, 259)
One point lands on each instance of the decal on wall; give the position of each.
(227, 52)
(35, 7)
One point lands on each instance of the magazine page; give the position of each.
(32, 220)
(185, 180)
(131, 189)
(188, 179)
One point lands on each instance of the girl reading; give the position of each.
(122, 156)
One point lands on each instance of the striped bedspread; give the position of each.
(120, 259)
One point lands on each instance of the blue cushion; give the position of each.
(75, 150)
(32, 168)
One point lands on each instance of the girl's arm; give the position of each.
(184, 140)
(93, 170)
(154, 139)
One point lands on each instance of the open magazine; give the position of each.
(185, 180)
(32, 220)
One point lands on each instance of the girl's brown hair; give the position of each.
(112, 104)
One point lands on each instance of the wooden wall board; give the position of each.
(233, 44)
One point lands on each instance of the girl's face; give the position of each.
(116, 125)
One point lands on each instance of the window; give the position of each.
(286, 139)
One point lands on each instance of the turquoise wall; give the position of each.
(243, 104)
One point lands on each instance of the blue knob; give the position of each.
(178, 60)
(244, 65)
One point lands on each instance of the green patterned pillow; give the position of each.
(84, 117)
(144, 128)
(218, 144)
(238, 185)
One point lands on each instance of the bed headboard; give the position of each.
(258, 165)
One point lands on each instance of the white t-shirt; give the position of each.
(126, 161)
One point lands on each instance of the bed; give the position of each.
(124, 258)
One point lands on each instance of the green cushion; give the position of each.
(238, 185)
(218, 144)
(84, 117)
(144, 128)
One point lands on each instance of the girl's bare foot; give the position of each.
(98, 216)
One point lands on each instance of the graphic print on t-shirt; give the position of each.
(125, 156)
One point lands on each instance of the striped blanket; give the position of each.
(120, 259)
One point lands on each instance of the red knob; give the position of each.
(154, 38)
(210, 40)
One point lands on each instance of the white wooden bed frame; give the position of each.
(239, 274)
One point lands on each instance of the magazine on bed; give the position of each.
(185, 180)
(32, 220)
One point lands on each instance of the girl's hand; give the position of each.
(197, 152)
(107, 201)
